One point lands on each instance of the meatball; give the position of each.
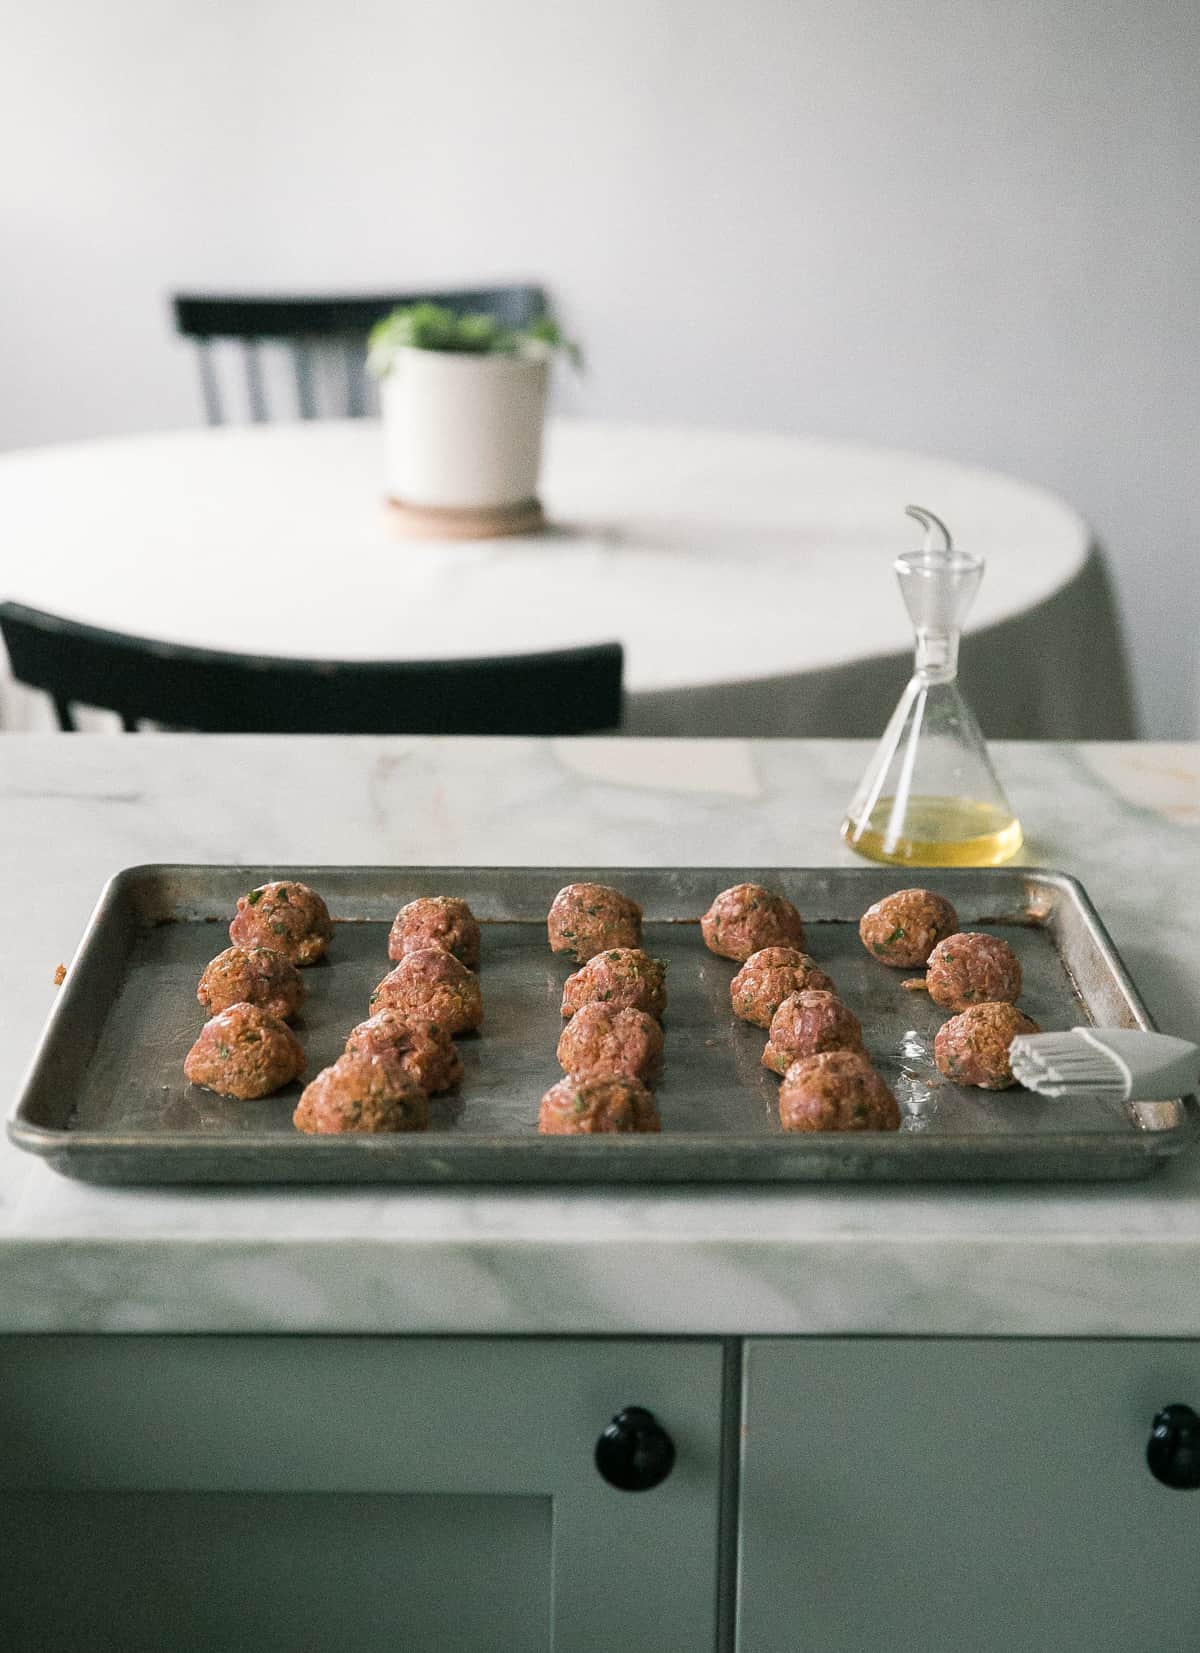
(368, 1094)
(436, 921)
(836, 1090)
(288, 918)
(970, 969)
(435, 987)
(601, 1105)
(806, 1024)
(623, 979)
(244, 1052)
(770, 976)
(972, 1048)
(586, 919)
(251, 975)
(747, 918)
(599, 1040)
(425, 1048)
(904, 928)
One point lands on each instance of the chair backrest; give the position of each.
(564, 692)
(310, 327)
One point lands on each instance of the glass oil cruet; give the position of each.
(930, 797)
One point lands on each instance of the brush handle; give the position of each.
(1156, 1066)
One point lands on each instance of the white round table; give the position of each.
(748, 576)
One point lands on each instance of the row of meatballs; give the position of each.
(975, 975)
(611, 1050)
(393, 1061)
(814, 1041)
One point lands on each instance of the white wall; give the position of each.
(964, 225)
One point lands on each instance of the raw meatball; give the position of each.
(623, 979)
(973, 969)
(972, 1048)
(244, 1052)
(435, 987)
(770, 976)
(251, 975)
(436, 921)
(586, 919)
(904, 928)
(837, 1090)
(806, 1024)
(288, 918)
(747, 918)
(601, 1105)
(368, 1094)
(425, 1048)
(599, 1040)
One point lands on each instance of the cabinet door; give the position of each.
(949, 1495)
(358, 1493)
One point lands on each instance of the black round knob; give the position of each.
(1173, 1452)
(635, 1452)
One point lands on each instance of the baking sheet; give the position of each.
(106, 1099)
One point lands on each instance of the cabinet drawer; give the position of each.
(951, 1494)
(362, 1492)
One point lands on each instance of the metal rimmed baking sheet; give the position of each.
(106, 1100)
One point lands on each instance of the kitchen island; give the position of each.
(735, 1302)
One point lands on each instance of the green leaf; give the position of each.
(548, 332)
(434, 327)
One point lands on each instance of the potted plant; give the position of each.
(463, 400)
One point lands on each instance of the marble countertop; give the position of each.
(1081, 1260)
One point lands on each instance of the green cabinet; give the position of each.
(298, 1493)
(440, 1495)
(944, 1495)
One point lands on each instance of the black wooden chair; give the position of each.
(565, 692)
(309, 325)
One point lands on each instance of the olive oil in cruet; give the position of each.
(930, 796)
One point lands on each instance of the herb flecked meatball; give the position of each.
(288, 918)
(425, 1048)
(972, 1047)
(806, 1024)
(251, 975)
(586, 919)
(972, 968)
(746, 918)
(903, 929)
(837, 1090)
(770, 976)
(436, 921)
(244, 1052)
(365, 1094)
(624, 978)
(599, 1040)
(602, 1105)
(434, 986)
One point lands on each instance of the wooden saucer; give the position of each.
(431, 522)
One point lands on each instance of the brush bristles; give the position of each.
(1066, 1067)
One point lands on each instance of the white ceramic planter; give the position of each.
(463, 432)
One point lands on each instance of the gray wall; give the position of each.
(964, 225)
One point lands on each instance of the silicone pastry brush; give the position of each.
(1122, 1063)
